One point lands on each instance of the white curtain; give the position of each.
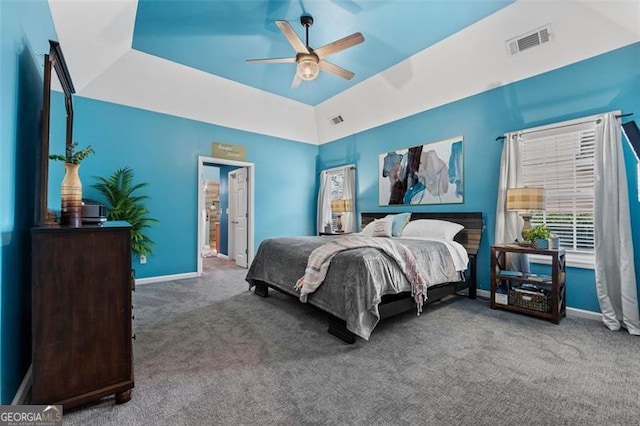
(348, 193)
(324, 201)
(615, 271)
(508, 223)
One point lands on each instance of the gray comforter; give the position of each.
(356, 280)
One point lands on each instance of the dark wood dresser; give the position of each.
(81, 314)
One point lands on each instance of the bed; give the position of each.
(364, 285)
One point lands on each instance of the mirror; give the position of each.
(56, 132)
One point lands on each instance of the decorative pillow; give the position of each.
(400, 220)
(368, 229)
(382, 228)
(432, 228)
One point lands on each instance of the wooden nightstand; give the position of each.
(543, 296)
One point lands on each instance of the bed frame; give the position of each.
(395, 304)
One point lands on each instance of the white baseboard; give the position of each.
(224, 256)
(162, 278)
(483, 293)
(571, 312)
(581, 313)
(23, 391)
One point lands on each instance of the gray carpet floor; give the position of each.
(210, 352)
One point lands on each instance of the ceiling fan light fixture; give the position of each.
(308, 68)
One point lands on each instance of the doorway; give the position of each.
(227, 209)
(212, 211)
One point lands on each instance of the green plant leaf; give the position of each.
(122, 204)
(539, 232)
(71, 155)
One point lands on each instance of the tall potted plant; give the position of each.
(124, 203)
(71, 187)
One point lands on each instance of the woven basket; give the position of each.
(539, 302)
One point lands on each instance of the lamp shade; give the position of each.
(341, 206)
(525, 199)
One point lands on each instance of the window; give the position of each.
(561, 160)
(336, 184)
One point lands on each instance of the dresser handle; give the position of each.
(133, 337)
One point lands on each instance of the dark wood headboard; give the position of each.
(469, 237)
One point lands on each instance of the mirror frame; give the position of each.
(54, 60)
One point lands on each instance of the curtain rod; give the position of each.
(568, 125)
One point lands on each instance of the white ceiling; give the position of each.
(96, 38)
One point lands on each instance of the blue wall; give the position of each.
(601, 84)
(163, 151)
(211, 172)
(25, 28)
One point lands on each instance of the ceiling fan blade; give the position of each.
(339, 45)
(272, 60)
(334, 69)
(292, 37)
(296, 81)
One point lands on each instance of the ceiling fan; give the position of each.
(310, 61)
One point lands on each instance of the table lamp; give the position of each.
(525, 200)
(340, 206)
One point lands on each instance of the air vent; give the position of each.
(336, 119)
(529, 40)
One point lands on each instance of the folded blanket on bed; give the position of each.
(320, 260)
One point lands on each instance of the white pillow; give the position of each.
(367, 231)
(432, 228)
(382, 228)
(378, 228)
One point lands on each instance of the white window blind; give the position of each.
(561, 160)
(336, 182)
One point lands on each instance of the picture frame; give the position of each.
(432, 173)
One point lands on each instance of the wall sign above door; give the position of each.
(228, 152)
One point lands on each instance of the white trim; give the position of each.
(250, 207)
(573, 260)
(581, 313)
(335, 169)
(560, 125)
(484, 293)
(162, 278)
(571, 312)
(568, 123)
(222, 256)
(23, 390)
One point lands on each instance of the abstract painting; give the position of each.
(425, 174)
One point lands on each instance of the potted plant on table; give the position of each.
(71, 187)
(538, 236)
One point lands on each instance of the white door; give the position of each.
(239, 218)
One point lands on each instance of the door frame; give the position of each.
(202, 160)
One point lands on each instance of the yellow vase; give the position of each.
(71, 197)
